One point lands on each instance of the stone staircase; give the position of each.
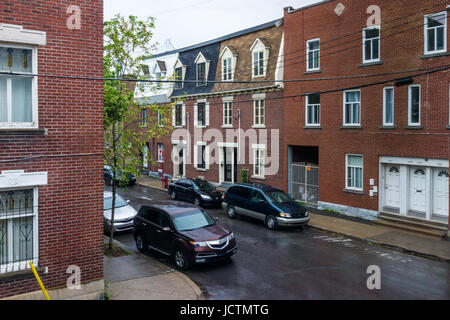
(415, 225)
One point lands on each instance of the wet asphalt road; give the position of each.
(303, 264)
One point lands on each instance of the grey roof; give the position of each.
(263, 26)
(162, 98)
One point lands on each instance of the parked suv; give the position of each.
(198, 191)
(265, 203)
(182, 231)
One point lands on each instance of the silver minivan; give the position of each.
(123, 213)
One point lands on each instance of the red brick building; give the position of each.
(51, 147)
(381, 150)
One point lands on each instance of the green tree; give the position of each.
(127, 45)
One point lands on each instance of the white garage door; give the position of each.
(440, 192)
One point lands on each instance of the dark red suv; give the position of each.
(182, 231)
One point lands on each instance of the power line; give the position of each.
(246, 68)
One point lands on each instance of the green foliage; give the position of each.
(331, 210)
(127, 45)
(244, 175)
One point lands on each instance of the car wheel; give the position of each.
(271, 222)
(180, 259)
(140, 243)
(197, 202)
(231, 212)
(173, 195)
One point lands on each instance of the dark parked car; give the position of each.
(182, 231)
(265, 203)
(200, 192)
(122, 179)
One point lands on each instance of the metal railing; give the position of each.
(305, 183)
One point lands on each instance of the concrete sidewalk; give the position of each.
(138, 277)
(390, 237)
(151, 183)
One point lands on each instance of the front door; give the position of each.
(418, 189)
(180, 163)
(392, 186)
(228, 164)
(440, 192)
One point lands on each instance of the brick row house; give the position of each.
(379, 151)
(51, 148)
(362, 130)
(221, 128)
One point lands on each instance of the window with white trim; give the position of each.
(18, 94)
(201, 114)
(371, 44)
(388, 106)
(178, 78)
(414, 105)
(258, 63)
(160, 152)
(228, 113)
(144, 116)
(259, 112)
(313, 110)
(201, 74)
(436, 33)
(313, 55)
(178, 115)
(160, 119)
(354, 172)
(18, 229)
(352, 108)
(201, 151)
(258, 159)
(227, 69)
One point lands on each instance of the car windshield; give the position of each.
(107, 202)
(279, 197)
(192, 220)
(204, 185)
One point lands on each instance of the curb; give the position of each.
(153, 187)
(387, 245)
(198, 292)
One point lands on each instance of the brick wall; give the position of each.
(402, 48)
(70, 206)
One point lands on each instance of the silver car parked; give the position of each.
(123, 213)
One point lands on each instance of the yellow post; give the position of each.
(39, 281)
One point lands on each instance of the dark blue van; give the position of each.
(272, 206)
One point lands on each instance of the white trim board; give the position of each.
(415, 161)
(15, 33)
(17, 179)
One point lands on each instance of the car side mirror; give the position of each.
(166, 229)
(216, 219)
(128, 201)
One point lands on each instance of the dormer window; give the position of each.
(201, 74)
(228, 64)
(179, 71)
(202, 66)
(260, 56)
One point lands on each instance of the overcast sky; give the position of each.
(187, 22)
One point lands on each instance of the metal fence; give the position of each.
(305, 183)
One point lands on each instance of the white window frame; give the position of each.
(259, 47)
(18, 266)
(160, 119)
(426, 34)
(144, 117)
(258, 159)
(410, 123)
(307, 104)
(385, 123)
(261, 105)
(201, 82)
(352, 124)
(160, 155)
(205, 155)
(183, 116)
(365, 60)
(227, 116)
(34, 124)
(309, 51)
(346, 172)
(227, 68)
